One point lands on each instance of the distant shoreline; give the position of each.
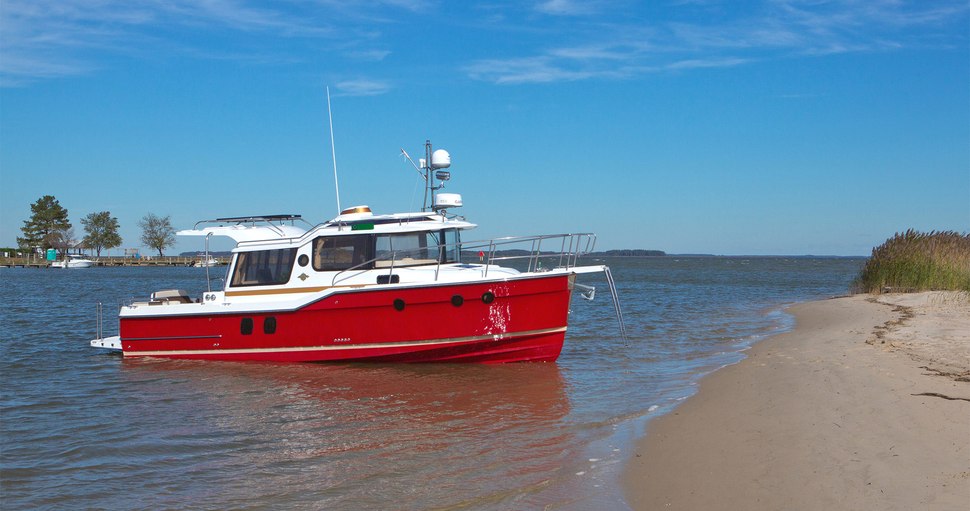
(223, 258)
(773, 256)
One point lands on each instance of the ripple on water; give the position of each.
(85, 430)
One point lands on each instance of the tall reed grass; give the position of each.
(918, 261)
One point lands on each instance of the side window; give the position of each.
(407, 249)
(334, 253)
(263, 268)
(450, 251)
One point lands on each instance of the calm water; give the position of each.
(85, 430)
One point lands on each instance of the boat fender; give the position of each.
(457, 300)
(488, 297)
(399, 304)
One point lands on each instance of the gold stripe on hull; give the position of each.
(292, 290)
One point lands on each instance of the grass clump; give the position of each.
(917, 261)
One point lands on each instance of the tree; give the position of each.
(47, 217)
(157, 232)
(62, 240)
(102, 231)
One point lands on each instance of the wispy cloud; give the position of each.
(42, 39)
(369, 55)
(621, 42)
(567, 7)
(362, 87)
(706, 63)
(526, 70)
(540, 41)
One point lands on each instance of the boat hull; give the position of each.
(83, 263)
(485, 322)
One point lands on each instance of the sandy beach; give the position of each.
(864, 405)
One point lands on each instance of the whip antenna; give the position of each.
(333, 152)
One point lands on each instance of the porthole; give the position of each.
(246, 326)
(303, 260)
(269, 325)
(488, 297)
(399, 304)
(457, 300)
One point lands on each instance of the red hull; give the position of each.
(508, 321)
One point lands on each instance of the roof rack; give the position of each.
(257, 218)
(270, 221)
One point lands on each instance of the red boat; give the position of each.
(365, 287)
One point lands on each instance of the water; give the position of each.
(85, 430)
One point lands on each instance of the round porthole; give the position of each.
(488, 297)
(457, 300)
(399, 304)
(303, 260)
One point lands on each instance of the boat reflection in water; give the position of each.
(354, 436)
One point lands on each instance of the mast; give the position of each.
(428, 178)
(435, 161)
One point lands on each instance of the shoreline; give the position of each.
(865, 404)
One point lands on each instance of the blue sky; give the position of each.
(776, 127)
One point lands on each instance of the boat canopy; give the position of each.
(240, 232)
(269, 229)
(250, 228)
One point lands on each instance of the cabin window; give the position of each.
(407, 249)
(417, 248)
(451, 251)
(263, 268)
(334, 253)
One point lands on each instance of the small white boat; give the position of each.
(205, 261)
(73, 261)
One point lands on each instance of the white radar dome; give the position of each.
(448, 200)
(440, 159)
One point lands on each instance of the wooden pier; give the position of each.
(24, 262)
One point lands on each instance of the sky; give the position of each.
(784, 127)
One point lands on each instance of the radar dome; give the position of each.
(440, 159)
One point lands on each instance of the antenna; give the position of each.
(434, 161)
(408, 156)
(333, 151)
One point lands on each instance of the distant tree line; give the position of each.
(49, 227)
(636, 252)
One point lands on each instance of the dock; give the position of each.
(167, 261)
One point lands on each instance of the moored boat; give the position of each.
(365, 287)
(205, 260)
(73, 261)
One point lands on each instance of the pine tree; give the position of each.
(47, 218)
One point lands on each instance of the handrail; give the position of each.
(267, 219)
(579, 244)
(269, 222)
(572, 247)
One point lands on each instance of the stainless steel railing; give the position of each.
(570, 248)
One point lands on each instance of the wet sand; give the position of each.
(864, 405)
